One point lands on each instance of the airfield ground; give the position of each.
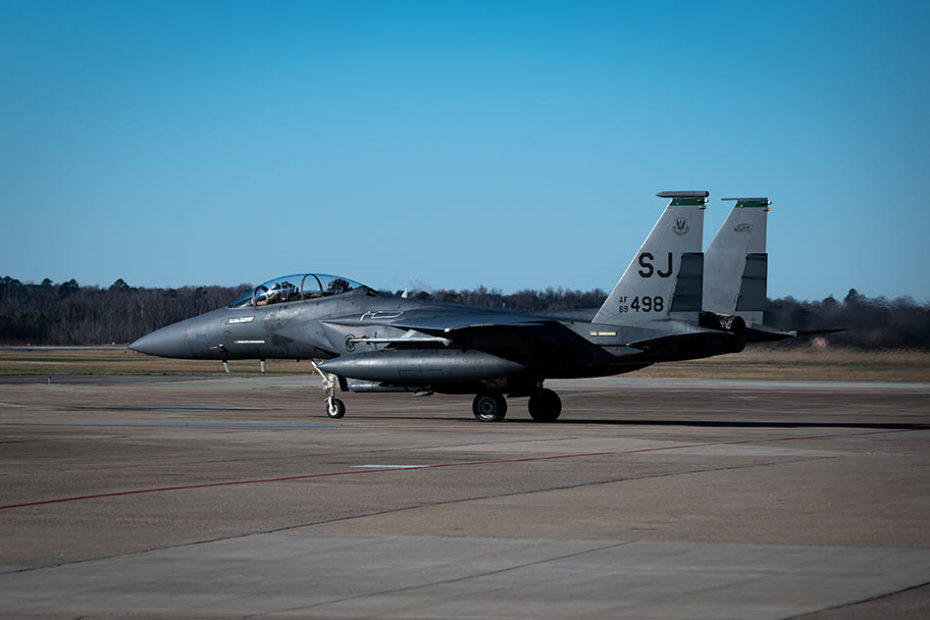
(711, 496)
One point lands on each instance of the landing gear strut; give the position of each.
(489, 406)
(545, 405)
(335, 408)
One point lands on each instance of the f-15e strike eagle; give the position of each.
(672, 303)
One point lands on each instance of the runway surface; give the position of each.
(651, 498)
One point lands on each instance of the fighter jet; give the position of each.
(362, 340)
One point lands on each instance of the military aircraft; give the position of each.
(366, 341)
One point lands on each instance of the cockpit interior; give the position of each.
(297, 287)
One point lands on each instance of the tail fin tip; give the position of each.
(756, 201)
(684, 194)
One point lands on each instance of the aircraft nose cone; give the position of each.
(169, 341)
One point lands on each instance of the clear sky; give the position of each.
(454, 144)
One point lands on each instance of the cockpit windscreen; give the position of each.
(297, 287)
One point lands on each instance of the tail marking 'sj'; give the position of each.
(666, 273)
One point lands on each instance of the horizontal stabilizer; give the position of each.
(768, 334)
(698, 343)
(760, 333)
(803, 333)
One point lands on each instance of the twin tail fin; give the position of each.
(736, 265)
(665, 278)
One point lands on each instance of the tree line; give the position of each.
(67, 313)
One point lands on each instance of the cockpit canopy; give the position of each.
(297, 287)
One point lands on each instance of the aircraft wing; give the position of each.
(441, 322)
(503, 333)
(488, 331)
(448, 323)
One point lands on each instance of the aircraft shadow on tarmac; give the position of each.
(908, 426)
(739, 424)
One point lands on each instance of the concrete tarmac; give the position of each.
(650, 498)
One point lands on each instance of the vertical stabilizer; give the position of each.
(665, 275)
(736, 265)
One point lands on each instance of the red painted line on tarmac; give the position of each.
(360, 472)
(206, 485)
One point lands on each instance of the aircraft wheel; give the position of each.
(335, 408)
(489, 406)
(545, 406)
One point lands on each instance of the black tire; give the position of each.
(545, 406)
(489, 406)
(335, 408)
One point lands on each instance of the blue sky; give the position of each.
(454, 144)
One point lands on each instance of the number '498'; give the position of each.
(645, 304)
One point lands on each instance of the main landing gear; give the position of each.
(544, 406)
(489, 406)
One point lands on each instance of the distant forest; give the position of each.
(67, 313)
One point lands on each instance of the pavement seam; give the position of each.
(878, 597)
(355, 472)
(450, 580)
(565, 487)
(676, 446)
(417, 506)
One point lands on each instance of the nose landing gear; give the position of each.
(335, 408)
